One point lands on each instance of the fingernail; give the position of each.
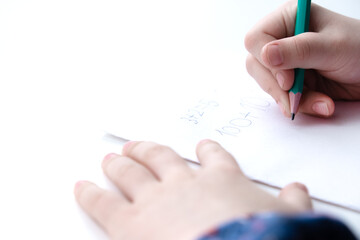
(127, 145)
(204, 141)
(302, 187)
(79, 184)
(280, 79)
(108, 157)
(321, 108)
(274, 55)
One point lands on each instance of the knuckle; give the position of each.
(250, 61)
(338, 43)
(268, 88)
(100, 206)
(228, 169)
(302, 48)
(99, 201)
(94, 200)
(154, 151)
(224, 168)
(86, 195)
(124, 170)
(249, 40)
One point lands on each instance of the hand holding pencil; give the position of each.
(330, 53)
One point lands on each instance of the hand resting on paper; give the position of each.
(161, 197)
(331, 49)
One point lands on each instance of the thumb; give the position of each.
(296, 195)
(307, 50)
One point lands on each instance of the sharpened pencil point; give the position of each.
(292, 116)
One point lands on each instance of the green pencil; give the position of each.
(301, 26)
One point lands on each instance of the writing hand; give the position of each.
(331, 52)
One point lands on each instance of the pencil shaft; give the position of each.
(302, 17)
(301, 26)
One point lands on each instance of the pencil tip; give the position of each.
(292, 116)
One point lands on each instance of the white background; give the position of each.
(64, 65)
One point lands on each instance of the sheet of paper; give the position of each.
(321, 153)
(186, 81)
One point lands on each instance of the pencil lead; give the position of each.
(292, 116)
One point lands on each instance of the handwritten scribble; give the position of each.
(196, 113)
(247, 114)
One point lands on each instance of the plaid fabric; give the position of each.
(273, 226)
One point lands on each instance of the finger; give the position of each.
(276, 25)
(285, 78)
(316, 104)
(98, 203)
(128, 175)
(268, 83)
(162, 161)
(296, 194)
(333, 89)
(307, 50)
(211, 154)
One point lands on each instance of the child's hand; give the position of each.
(161, 197)
(331, 49)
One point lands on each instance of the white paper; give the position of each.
(321, 153)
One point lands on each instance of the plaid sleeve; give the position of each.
(280, 227)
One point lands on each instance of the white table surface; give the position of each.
(59, 69)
